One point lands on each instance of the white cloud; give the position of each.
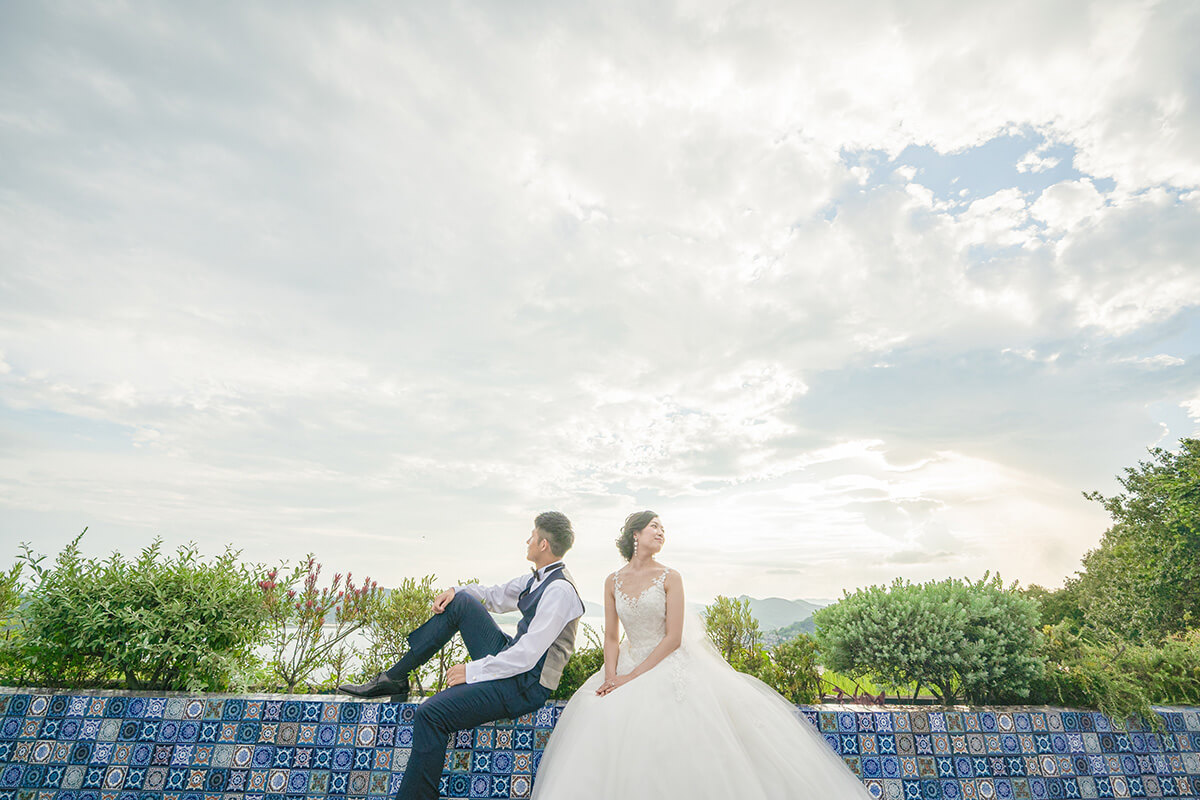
(1035, 161)
(1066, 205)
(1153, 362)
(359, 273)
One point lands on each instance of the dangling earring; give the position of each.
(635, 547)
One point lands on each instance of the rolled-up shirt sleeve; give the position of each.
(500, 598)
(558, 607)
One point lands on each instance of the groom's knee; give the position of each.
(432, 723)
(462, 603)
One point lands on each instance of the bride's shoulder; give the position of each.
(669, 574)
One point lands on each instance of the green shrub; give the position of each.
(581, 666)
(12, 662)
(1120, 679)
(585, 661)
(971, 640)
(796, 676)
(151, 623)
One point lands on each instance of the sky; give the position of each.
(845, 291)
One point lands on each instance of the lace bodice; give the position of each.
(644, 617)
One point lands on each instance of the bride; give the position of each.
(668, 718)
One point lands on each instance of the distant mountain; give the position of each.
(789, 632)
(773, 613)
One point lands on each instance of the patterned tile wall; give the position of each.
(127, 747)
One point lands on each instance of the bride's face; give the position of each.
(651, 538)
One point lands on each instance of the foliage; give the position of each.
(12, 665)
(398, 614)
(796, 676)
(582, 664)
(296, 635)
(1058, 605)
(1143, 582)
(1118, 678)
(401, 611)
(1170, 672)
(152, 623)
(790, 667)
(963, 639)
(733, 630)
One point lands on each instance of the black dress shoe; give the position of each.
(379, 686)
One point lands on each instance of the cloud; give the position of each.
(356, 273)
(1065, 206)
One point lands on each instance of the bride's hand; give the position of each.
(613, 683)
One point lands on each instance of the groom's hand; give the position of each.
(456, 674)
(442, 600)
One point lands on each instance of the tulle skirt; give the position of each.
(690, 728)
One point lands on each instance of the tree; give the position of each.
(732, 629)
(1143, 582)
(963, 639)
(1058, 605)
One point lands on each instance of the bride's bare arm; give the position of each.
(612, 631)
(673, 585)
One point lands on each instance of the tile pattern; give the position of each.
(1014, 753)
(127, 747)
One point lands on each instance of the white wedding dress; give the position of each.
(691, 728)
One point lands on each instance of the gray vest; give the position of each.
(548, 671)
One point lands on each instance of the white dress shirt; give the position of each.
(559, 605)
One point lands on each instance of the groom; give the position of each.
(507, 676)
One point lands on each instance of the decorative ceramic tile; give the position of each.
(83, 747)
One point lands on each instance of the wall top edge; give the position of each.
(340, 698)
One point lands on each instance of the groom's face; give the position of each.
(534, 545)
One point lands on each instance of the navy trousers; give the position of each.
(465, 705)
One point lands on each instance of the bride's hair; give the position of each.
(633, 524)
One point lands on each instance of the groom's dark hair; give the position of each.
(556, 529)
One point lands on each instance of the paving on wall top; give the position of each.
(119, 745)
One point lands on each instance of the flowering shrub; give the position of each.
(308, 625)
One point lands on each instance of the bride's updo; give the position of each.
(634, 524)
